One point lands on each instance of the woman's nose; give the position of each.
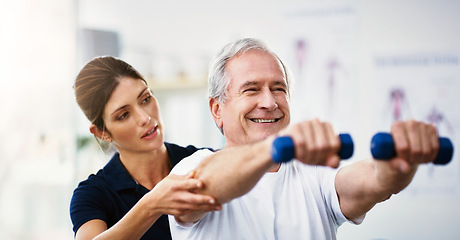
(144, 118)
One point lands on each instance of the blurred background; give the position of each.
(358, 64)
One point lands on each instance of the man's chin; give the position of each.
(261, 136)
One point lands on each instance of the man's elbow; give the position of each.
(190, 218)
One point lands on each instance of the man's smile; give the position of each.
(261, 120)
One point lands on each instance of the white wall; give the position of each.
(37, 138)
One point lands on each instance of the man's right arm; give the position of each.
(231, 173)
(234, 171)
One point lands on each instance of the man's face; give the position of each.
(257, 104)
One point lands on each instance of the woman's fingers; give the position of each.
(178, 194)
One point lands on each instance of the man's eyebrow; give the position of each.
(283, 83)
(249, 84)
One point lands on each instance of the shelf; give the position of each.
(177, 84)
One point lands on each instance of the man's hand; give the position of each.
(415, 143)
(315, 143)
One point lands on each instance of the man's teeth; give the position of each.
(264, 120)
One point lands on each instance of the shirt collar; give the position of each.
(119, 178)
(117, 175)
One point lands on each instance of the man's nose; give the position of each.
(268, 101)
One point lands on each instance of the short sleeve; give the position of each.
(328, 189)
(87, 204)
(182, 168)
(191, 162)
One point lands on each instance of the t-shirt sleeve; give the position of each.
(191, 162)
(87, 204)
(327, 176)
(182, 168)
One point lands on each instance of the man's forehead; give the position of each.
(254, 64)
(254, 53)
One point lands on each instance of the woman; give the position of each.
(128, 198)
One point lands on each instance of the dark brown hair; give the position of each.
(96, 82)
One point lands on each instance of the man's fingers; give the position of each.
(307, 131)
(401, 142)
(416, 142)
(434, 142)
(320, 142)
(315, 142)
(425, 141)
(333, 161)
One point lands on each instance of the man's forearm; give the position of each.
(234, 171)
(363, 184)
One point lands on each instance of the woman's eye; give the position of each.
(123, 116)
(147, 99)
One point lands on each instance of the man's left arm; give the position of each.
(363, 184)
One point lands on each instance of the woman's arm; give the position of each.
(173, 195)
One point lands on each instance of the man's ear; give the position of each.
(215, 107)
(103, 135)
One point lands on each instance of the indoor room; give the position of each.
(360, 65)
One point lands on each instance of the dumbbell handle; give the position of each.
(283, 148)
(382, 148)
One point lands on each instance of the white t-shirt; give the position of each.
(297, 202)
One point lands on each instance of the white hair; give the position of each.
(218, 79)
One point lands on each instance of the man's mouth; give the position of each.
(261, 120)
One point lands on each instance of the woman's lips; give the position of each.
(150, 132)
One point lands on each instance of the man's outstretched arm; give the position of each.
(234, 171)
(365, 183)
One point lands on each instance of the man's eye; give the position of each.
(250, 90)
(280, 90)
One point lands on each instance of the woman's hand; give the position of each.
(176, 195)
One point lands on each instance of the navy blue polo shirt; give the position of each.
(112, 192)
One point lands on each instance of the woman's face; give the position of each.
(132, 117)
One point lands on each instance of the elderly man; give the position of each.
(306, 198)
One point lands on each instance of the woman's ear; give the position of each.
(103, 135)
(215, 107)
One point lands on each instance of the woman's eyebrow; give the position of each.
(142, 93)
(125, 106)
(119, 109)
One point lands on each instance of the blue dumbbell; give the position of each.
(283, 148)
(382, 148)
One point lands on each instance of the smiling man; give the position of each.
(306, 198)
(256, 105)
